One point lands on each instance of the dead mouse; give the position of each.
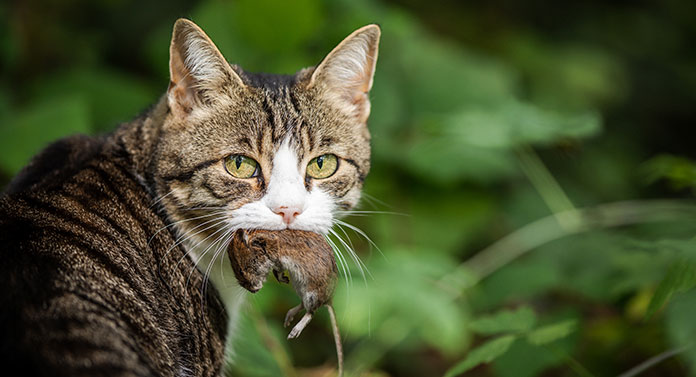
(309, 261)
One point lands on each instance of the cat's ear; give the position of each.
(198, 72)
(345, 74)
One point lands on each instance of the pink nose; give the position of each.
(289, 213)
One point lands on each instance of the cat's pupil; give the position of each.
(320, 161)
(238, 161)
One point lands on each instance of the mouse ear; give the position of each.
(346, 73)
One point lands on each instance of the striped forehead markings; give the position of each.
(270, 115)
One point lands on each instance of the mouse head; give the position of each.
(250, 259)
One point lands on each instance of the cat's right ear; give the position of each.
(199, 74)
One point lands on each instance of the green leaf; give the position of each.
(447, 76)
(476, 142)
(521, 319)
(526, 360)
(485, 353)
(681, 327)
(34, 127)
(569, 75)
(680, 277)
(449, 223)
(550, 333)
(409, 301)
(511, 123)
(252, 356)
(530, 277)
(678, 171)
(442, 160)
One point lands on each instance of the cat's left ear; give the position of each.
(345, 75)
(199, 74)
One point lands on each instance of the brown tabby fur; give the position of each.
(92, 279)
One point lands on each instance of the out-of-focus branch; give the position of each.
(547, 229)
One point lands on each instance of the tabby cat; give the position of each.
(107, 244)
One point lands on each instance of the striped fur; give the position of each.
(104, 241)
(88, 285)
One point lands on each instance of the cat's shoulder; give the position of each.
(56, 163)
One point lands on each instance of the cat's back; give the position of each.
(90, 285)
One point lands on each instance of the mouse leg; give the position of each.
(291, 314)
(295, 332)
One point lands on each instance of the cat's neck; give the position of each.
(136, 141)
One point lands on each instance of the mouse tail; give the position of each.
(337, 339)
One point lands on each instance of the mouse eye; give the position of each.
(241, 166)
(323, 166)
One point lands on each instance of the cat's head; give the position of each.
(256, 151)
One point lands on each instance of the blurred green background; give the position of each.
(532, 181)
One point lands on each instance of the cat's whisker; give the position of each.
(220, 242)
(182, 221)
(223, 243)
(362, 267)
(365, 213)
(217, 251)
(185, 236)
(197, 208)
(225, 246)
(160, 198)
(342, 261)
(338, 256)
(348, 249)
(195, 245)
(372, 200)
(359, 232)
(347, 237)
(182, 239)
(200, 257)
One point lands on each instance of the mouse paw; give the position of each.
(280, 276)
(291, 315)
(297, 330)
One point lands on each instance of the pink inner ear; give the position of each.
(179, 99)
(199, 73)
(348, 69)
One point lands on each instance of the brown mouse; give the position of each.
(306, 256)
(309, 261)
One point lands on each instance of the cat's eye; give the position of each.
(241, 166)
(323, 166)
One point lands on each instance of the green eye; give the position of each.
(323, 166)
(241, 166)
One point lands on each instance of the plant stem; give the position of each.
(548, 229)
(547, 186)
(649, 363)
(277, 350)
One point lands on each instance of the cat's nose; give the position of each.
(289, 213)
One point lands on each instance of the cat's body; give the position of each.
(107, 244)
(89, 284)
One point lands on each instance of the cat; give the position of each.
(108, 243)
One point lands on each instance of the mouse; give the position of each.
(309, 261)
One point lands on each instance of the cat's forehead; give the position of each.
(286, 111)
(270, 110)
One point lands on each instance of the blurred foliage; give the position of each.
(489, 119)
